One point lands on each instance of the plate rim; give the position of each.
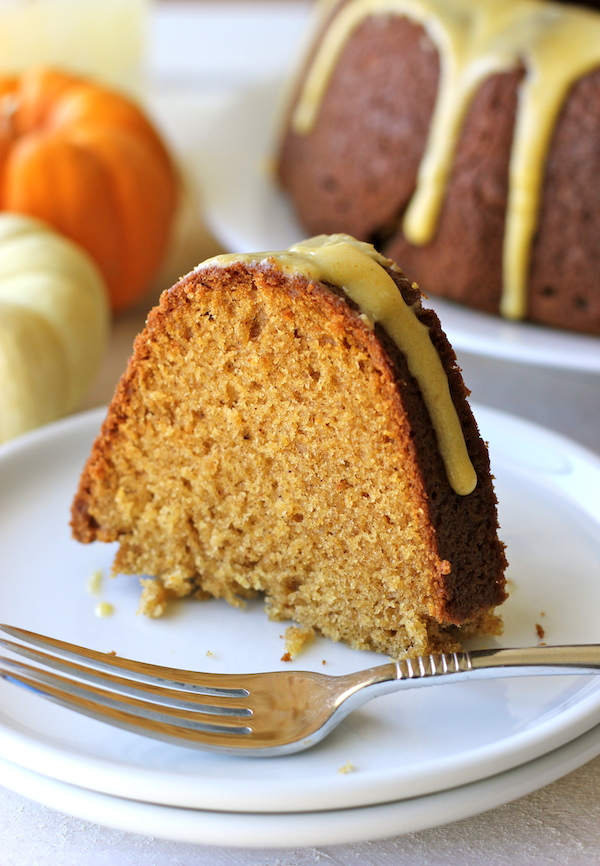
(327, 827)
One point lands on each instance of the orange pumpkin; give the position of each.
(90, 163)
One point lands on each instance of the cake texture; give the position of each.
(294, 424)
(461, 138)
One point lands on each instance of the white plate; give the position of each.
(401, 745)
(247, 212)
(334, 827)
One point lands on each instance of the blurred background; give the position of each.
(210, 78)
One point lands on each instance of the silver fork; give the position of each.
(262, 714)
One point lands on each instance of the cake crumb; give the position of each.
(296, 639)
(540, 631)
(154, 598)
(210, 654)
(347, 768)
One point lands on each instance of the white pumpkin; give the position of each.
(54, 324)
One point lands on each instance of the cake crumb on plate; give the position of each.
(296, 639)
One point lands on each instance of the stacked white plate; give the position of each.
(401, 763)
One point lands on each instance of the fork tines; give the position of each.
(175, 706)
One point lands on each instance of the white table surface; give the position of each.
(201, 53)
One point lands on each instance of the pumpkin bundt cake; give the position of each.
(462, 139)
(295, 424)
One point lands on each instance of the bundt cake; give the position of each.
(461, 138)
(295, 424)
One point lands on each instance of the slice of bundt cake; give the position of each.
(295, 424)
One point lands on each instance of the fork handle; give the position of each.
(439, 668)
(504, 662)
(360, 687)
(577, 658)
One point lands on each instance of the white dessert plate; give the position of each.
(247, 212)
(399, 746)
(327, 827)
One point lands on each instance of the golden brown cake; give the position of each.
(462, 138)
(295, 424)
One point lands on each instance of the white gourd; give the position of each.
(54, 324)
